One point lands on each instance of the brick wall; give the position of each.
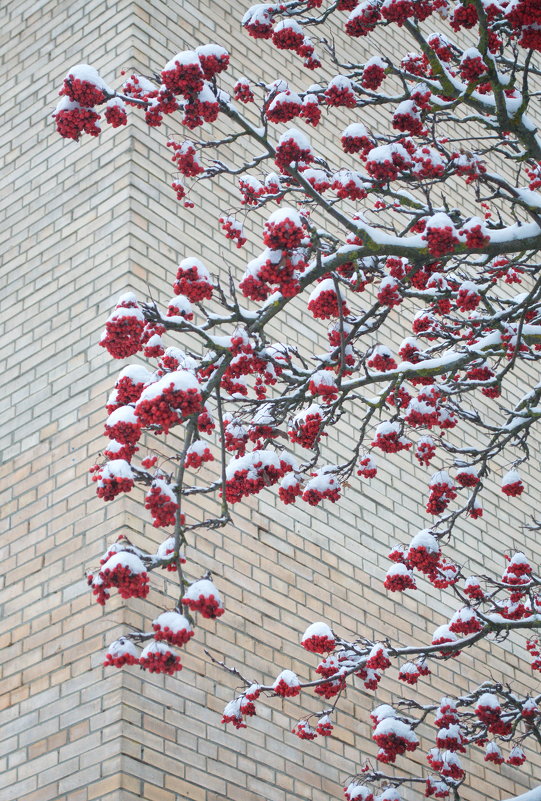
(86, 221)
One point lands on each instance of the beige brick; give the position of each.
(83, 222)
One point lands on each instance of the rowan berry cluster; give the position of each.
(389, 439)
(173, 628)
(284, 107)
(203, 597)
(293, 149)
(159, 658)
(162, 503)
(123, 571)
(242, 91)
(399, 578)
(367, 467)
(124, 328)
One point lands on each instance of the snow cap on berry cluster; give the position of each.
(318, 637)
(125, 559)
(84, 72)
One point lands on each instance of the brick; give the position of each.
(86, 221)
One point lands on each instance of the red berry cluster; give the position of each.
(115, 113)
(325, 305)
(289, 490)
(323, 384)
(363, 18)
(328, 689)
(484, 373)
(123, 428)
(109, 484)
(83, 92)
(354, 791)
(213, 60)
(184, 76)
(435, 787)
(373, 75)
(452, 768)
(185, 158)
(73, 120)
(305, 430)
(318, 643)
(121, 652)
(472, 588)
(233, 230)
(195, 458)
(117, 450)
(177, 307)
(205, 423)
(381, 360)
(441, 494)
(513, 489)
(242, 91)
(289, 152)
(285, 233)
(407, 119)
(398, 11)
(127, 390)
(390, 441)
(399, 579)
(440, 241)
(464, 17)
(450, 739)
(191, 283)
(324, 726)
(389, 292)
(207, 605)
(172, 627)
(259, 26)
(130, 581)
(354, 142)
(493, 754)
(169, 408)
(243, 482)
(441, 46)
(446, 715)
(162, 504)
(233, 714)
(367, 467)
(475, 236)
(377, 658)
(314, 495)
(422, 558)
(311, 111)
(469, 166)
(284, 107)
(472, 67)
(533, 646)
(465, 621)
(288, 35)
(340, 93)
(382, 169)
(287, 684)
(304, 730)
(158, 658)
(124, 329)
(525, 18)
(349, 185)
(467, 477)
(516, 757)
(488, 713)
(409, 673)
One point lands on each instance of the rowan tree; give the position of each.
(431, 218)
